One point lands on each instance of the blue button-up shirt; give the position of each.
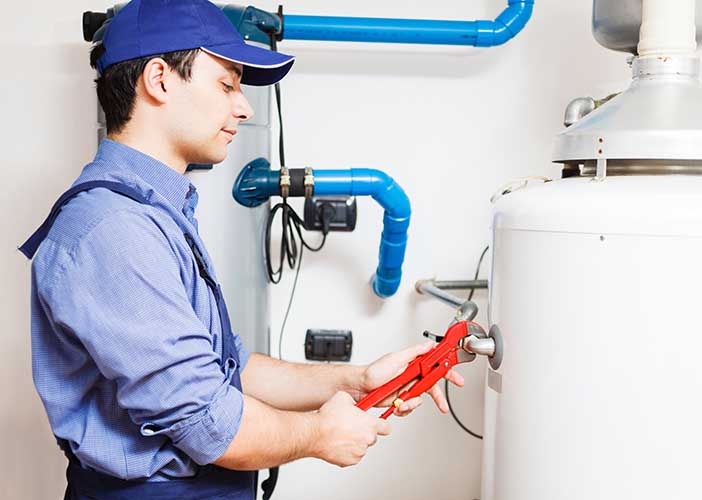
(126, 336)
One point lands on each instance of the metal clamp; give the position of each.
(309, 182)
(284, 182)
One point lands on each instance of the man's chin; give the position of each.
(219, 159)
(211, 159)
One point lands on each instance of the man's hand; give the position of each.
(391, 365)
(344, 432)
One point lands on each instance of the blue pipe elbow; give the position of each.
(507, 25)
(419, 31)
(383, 189)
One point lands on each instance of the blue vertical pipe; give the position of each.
(383, 189)
(364, 29)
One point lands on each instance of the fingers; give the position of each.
(372, 440)
(407, 355)
(438, 396)
(455, 378)
(382, 427)
(408, 407)
(402, 358)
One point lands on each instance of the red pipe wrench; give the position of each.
(427, 369)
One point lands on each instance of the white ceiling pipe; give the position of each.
(667, 28)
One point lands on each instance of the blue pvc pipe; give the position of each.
(364, 29)
(256, 183)
(383, 189)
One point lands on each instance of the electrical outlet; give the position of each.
(328, 345)
(343, 213)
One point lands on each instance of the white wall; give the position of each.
(449, 124)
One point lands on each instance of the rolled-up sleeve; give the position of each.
(122, 296)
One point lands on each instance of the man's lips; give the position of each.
(229, 132)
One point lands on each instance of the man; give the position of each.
(149, 393)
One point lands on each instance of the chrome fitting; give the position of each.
(477, 345)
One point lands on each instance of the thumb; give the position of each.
(382, 427)
(407, 355)
(344, 397)
(401, 359)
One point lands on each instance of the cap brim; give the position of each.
(261, 66)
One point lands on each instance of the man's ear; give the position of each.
(154, 80)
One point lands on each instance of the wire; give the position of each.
(287, 311)
(455, 417)
(291, 228)
(446, 382)
(291, 224)
(281, 147)
(477, 271)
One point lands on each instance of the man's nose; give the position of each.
(242, 109)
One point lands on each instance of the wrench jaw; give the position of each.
(464, 356)
(476, 330)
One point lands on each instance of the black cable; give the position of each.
(287, 311)
(477, 271)
(446, 382)
(455, 417)
(291, 224)
(291, 227)
(291, 221)
(281, 148)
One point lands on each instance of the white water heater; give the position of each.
(595, 292)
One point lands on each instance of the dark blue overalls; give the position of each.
(210, 482)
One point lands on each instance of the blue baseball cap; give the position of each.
(151, 27)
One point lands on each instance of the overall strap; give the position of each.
(29, 247)
(229, 350)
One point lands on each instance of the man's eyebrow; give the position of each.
(236, 69)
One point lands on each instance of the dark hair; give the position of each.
(116, 87)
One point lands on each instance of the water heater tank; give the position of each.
(594, 288)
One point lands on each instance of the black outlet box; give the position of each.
(328, 345)
(343, 210)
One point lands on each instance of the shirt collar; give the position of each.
(175, 187)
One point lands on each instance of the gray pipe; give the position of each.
(466, 309)
(460, 284)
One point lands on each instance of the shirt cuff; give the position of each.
(205, 436)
